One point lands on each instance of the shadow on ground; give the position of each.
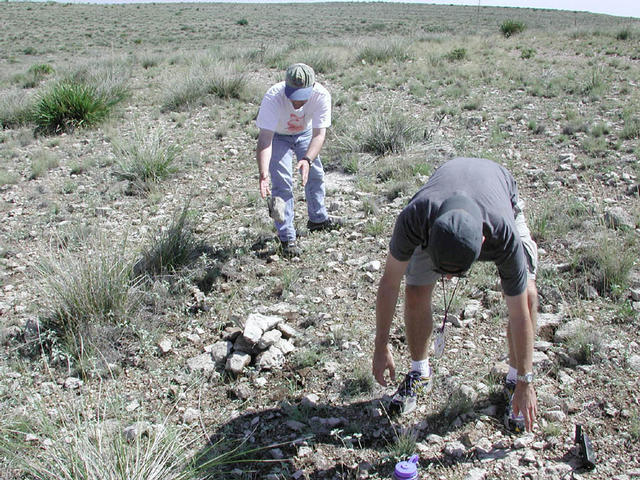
(302, 437)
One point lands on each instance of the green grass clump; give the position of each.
(83, 446)
(382, 134)
(631, 128)
(42, 162)
(383, 53)
(69, 105)
(146, 159)
(218, 81)
(584, 345)
(512, 27)
(456, 54)
(15, 110)
(7, 178)
(607, 264)
(624, 34)
(86, 294)
(359, 383)
(170, 249)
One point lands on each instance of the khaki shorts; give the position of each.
(420, 269)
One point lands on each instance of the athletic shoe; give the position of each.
(331, 223)
(513, 423)
(290, 249)
(406, 397)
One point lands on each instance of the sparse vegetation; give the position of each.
(134, 250)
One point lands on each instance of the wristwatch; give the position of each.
(308, 160)
(526, 378)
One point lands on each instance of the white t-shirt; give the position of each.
(278, 115)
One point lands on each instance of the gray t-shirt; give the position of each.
(496, 193)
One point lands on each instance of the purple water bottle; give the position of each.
(407, 470)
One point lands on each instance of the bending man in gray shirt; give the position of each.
(469, 210)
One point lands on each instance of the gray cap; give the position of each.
(299, 81)
(455, 238)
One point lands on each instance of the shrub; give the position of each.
(361, 382)
(68, 105)
(624, 34)
(527, 53)
(242, 21)
(456, 54)
(512, 27)
(147, 159)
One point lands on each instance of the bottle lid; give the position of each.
(407, 469)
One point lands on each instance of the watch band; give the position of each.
(526, 378)
(309, 161)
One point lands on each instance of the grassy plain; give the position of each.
(117, 219)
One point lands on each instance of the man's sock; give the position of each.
(512, 376)
(421, 366)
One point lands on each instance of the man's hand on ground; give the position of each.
(525, 402)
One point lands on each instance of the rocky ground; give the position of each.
(242, 345)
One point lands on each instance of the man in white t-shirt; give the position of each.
(294, 116)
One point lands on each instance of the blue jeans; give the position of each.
(280, 169)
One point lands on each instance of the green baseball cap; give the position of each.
(299, 82)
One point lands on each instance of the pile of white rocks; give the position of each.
(264, 342)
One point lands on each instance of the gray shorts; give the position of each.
(420, 268)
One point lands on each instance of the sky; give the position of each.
(622, 8)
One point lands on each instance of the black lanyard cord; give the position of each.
(444, 298)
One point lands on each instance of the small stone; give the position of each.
(455, 449)
(276, 453)
(476, 474)
(220, 351)
(201, 363)
(72, 383)
(523, 441)
(269, 338)
(295, 425)
(237, 361)
(285, 346)
(165, 346)
(557, 416)
(310, 400)
(372, 266)
(472, 309)
(634, 363)
(271, 358)
(136, 431)
(190, 416)
(287, 330)
(529, 457)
